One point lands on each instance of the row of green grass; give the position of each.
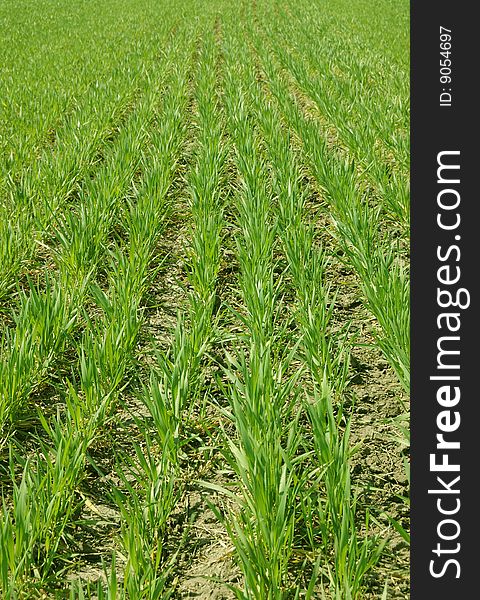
(242, 125)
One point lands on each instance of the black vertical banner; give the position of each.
(445, 324)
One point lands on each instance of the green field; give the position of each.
(204, 299)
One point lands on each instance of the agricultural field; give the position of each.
(204, 299)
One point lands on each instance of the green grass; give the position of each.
(204, 228)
